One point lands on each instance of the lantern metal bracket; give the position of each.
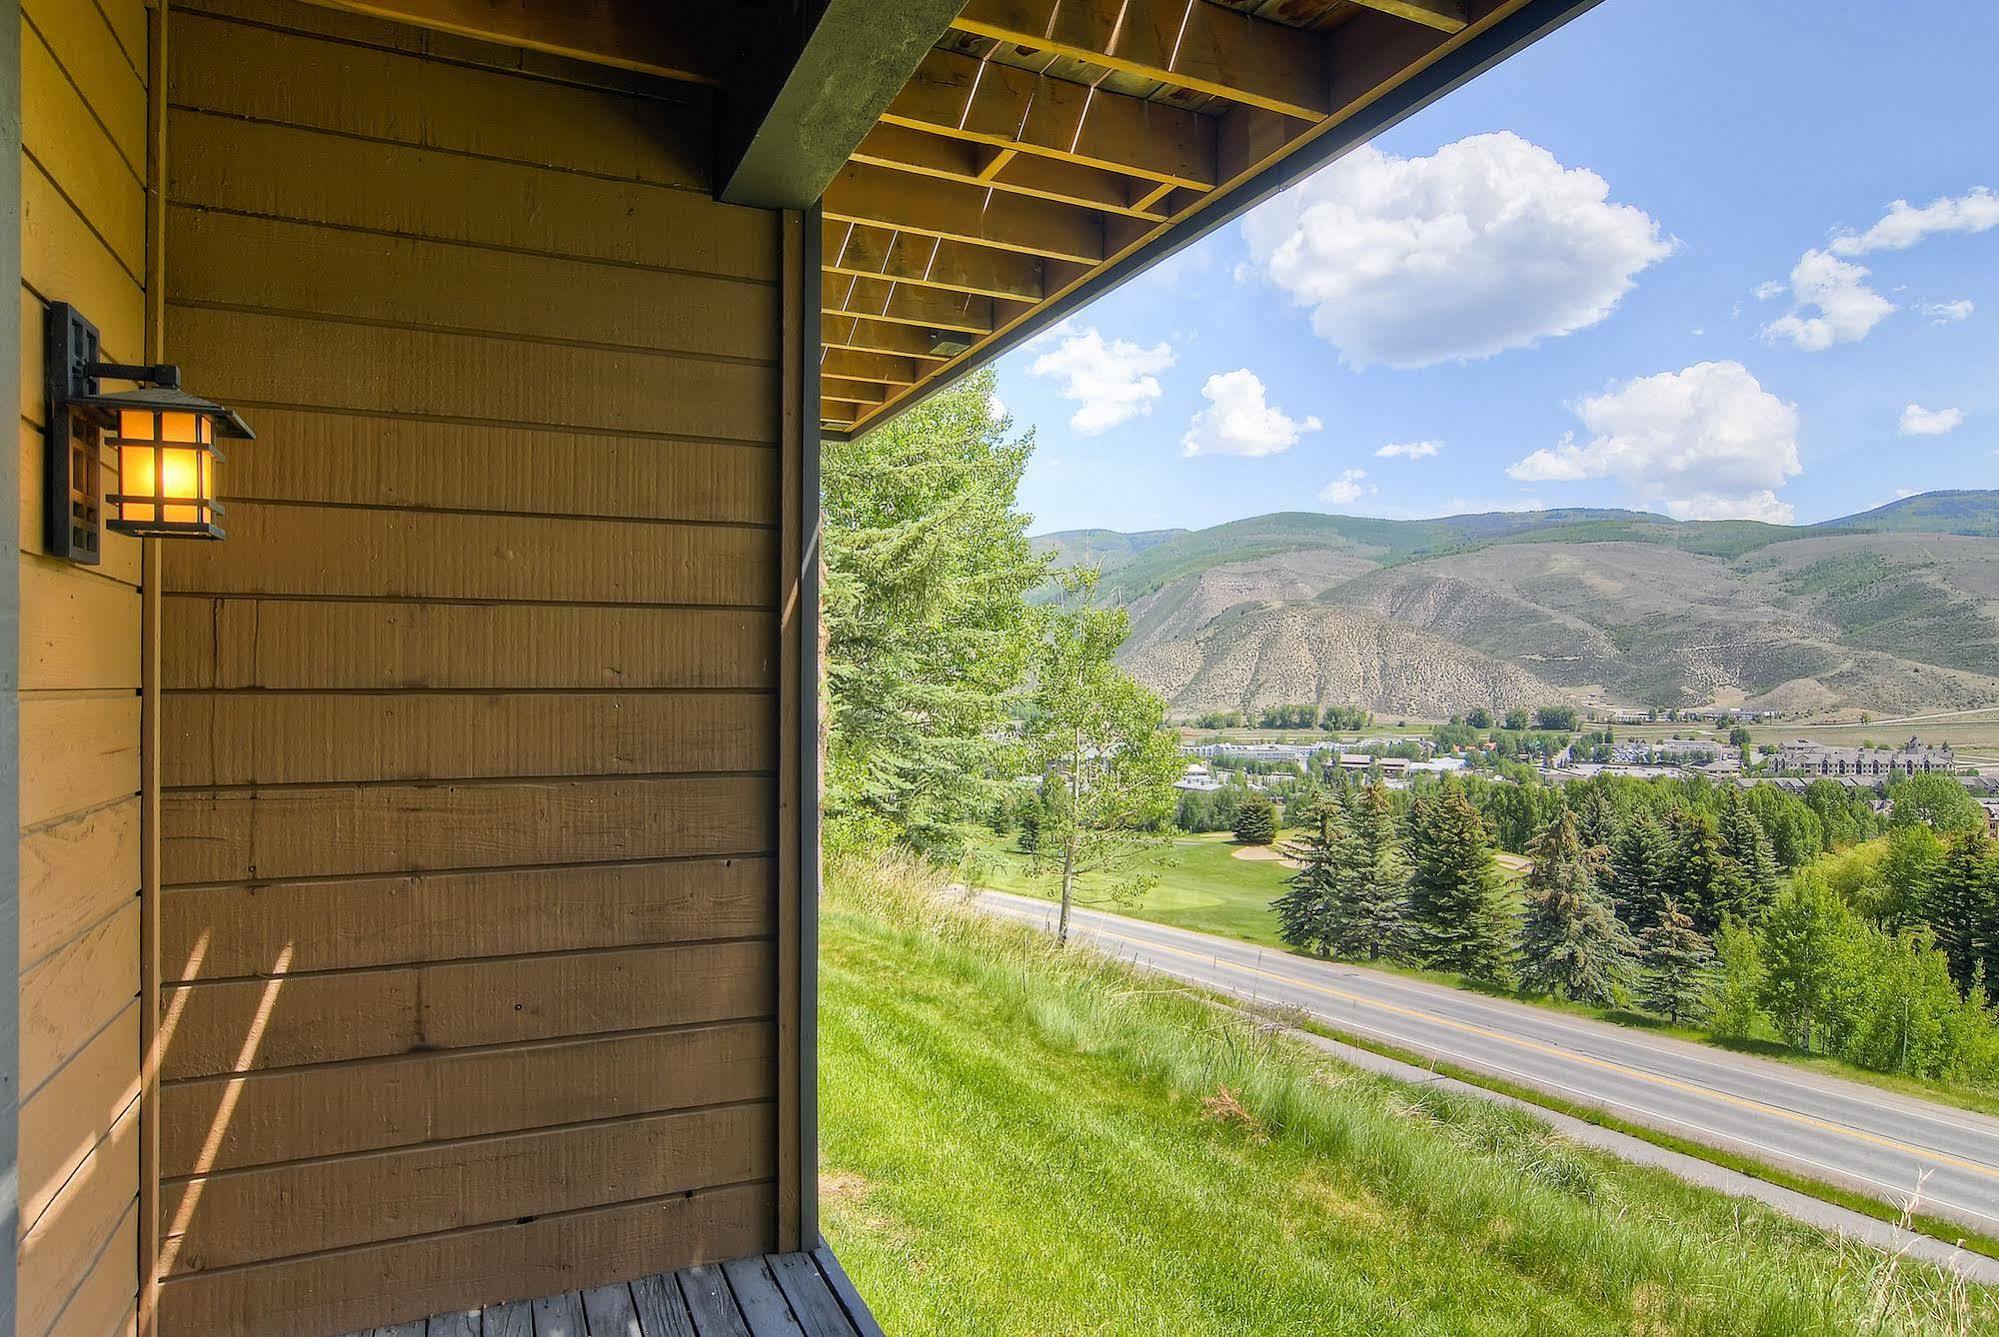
(73, 490)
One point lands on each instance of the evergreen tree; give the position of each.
(1371, 895)
(1679, 964)
(1959, 904)
(1304, 911)
(1570, 941)
(1639, 859)
(1461, 916)
(1695, 869)
(1256, 821)
(1751, 880)
(1596, 817)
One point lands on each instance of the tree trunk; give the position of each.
(1070, 838)
(1068, 887)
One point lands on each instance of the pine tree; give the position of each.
(1751, 883)
(1371, 892)
(1960, 904)
(1571, 944)
(1461, 916)
(1695, 868)
(1256, 821)
(1679, 964)
(1638, 871)
(1304, 911)
(1596, 818)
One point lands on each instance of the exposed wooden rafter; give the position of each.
(850, 365)
(906, 304)
(1017, 173)
(954, 212)
(1005, 108)
(1189, 44)
(932, 262)
(1443, 15)
(879, 336)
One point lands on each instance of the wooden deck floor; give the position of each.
(776, 1295)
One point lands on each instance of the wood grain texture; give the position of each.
(289, 1114)
(64, 260)
(64, 1245)
(236, 1218)
(336, 1292)
(219, 932)
(62, 1125)
(416, 192)
(260, 739)
(78, 630)
(60, 131)
(367, 646)
(247, 835)
(74, 873)
(73, 993)
(77, 753)
(402, 98)
(241, 1026)
(352, 552)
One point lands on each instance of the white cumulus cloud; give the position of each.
(1943, 313)
(1904, 224)
(1486, 245)
(1240, 420)
(1348, 488)
(1704, 443)
(1114, 380)
(1830, 304)
(1919, 421)
(1409, 450)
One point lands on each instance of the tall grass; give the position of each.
(1479, 1218)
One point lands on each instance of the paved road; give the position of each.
(1845, 1132)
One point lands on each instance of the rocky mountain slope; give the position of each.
(1895, 610)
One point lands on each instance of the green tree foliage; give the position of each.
(1750, 878)
(1937, 801)
(1959, 903)
(1734, 1001)
(1256, 820)
(1346, 719)
(1641, 877)
(1478, 717)
(1089, 724)
(1846, 816)
(1679, 964)
(1695, 868)
(1289, 717)
(1516, 718)
(1305, 910)
(1910, 1003)
(1571, 944)
(1814, 967)
(1738, 737)
(1461, 917)
(1370, 910)
(1557, 719)
(928, 629)
(1797, 836)
(1906, 872)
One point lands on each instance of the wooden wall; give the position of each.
(469, 923)
(83, 171)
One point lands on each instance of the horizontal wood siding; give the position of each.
(83, 173)
(468, 934)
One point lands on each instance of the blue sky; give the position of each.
(1552, 277)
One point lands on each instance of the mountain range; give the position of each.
(1894, 610)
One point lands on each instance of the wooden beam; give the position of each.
(932, 262)
(916, 151)
(975, 214)
(819, 81)
(849, 365)
(1189, 44)
(1443, 15)
(997, 105)
(676, 39)
(854, 392)
(878, 336)
(905, 304)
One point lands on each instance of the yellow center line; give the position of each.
(1892, 1144)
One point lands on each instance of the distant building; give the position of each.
(1800, 757)
(1198, 779)
(1302, 753)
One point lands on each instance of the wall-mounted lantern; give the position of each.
(165, 439)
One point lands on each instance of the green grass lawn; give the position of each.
(1018, 1140)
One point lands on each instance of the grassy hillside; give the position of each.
(1019, 1141)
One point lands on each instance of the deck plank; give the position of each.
(662, 1308)
(850, 1299)
(711, 1304)
(515, 1319)
(764, 1307)
(464, 1323)
(560, 1316)
(610, 1311)
(413, 1328)
(818, 1309)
